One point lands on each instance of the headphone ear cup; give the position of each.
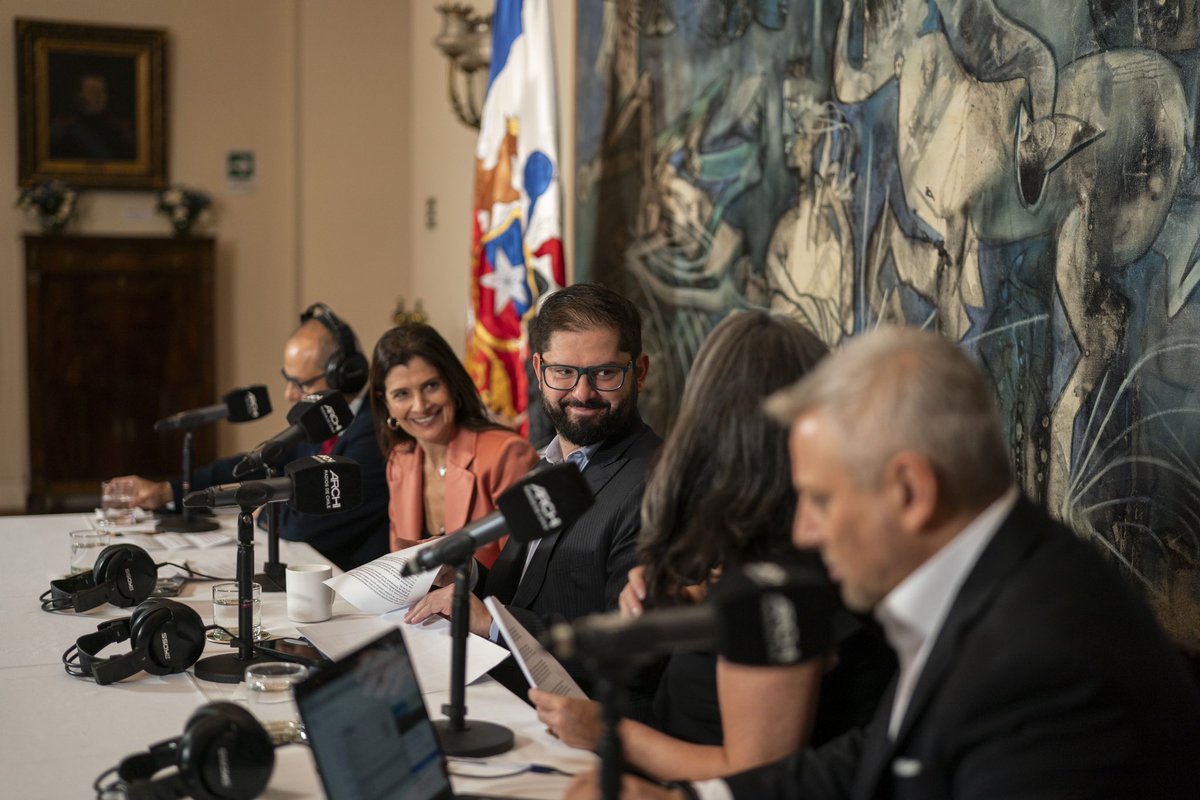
(170, 633)
(131, 572)
(347, 370)
(333, 372)
(147, 621)
(225, 754)
(352, 371)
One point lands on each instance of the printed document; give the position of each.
(377, 587)
(542, 670)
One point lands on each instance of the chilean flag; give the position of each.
(516, 241)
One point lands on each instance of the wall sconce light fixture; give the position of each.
(466, 39)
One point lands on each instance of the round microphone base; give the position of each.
(476, 740)
(178, 523)
(226, 668)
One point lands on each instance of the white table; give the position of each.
(60, 732)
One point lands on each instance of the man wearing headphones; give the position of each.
(322, 354)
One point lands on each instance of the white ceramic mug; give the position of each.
(308, 598)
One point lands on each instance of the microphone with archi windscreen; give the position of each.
(311, 485)
(238, 405)
(545, 501)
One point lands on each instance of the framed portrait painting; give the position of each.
(91, 103)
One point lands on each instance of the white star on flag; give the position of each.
(507, 281)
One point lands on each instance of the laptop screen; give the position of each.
(368, 728)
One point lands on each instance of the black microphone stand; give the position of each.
(612, 672)
(273, 578)
(185, 521)
(458, 735)
(610, 692)
(231, 667)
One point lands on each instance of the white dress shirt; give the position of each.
(912, 613)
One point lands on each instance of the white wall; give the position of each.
(344, 104)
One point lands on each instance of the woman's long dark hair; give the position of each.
(400, 345)
(721, 493)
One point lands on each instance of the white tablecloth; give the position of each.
(60, 732)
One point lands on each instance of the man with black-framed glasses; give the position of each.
(587, 355)
(321, 354)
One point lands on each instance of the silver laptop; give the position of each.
(368, 728)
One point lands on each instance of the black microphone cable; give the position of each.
(191, 572)
(112, 789)
(50, 605)
(275, 655)
(70, 656)
(70, 662)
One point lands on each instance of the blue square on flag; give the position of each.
(509, 278)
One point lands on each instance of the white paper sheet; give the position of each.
(541, 669)
(377, 587)
(176, 541)
(428, 645)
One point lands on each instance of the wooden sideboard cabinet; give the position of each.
(119, 333)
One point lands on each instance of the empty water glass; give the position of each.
(269, 693)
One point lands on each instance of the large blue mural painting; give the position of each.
(1017, 174)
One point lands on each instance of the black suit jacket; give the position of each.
(582, 569)
(348, 539)
(1050, 679)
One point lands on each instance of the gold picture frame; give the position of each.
(91, 105)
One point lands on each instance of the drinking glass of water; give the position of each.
(117, 501)
(225, 611)
(85, 548)
(269, 693)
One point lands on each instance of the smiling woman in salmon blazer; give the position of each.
(447, 460)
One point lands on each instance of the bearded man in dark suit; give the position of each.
(587, 354)
(1029, 667)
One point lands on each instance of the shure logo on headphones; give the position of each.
(166, 645)
(333, 489)
(781, 629)
(224, 773)
(252, 405)
(543, 506)
(331, 417)
(128, 579)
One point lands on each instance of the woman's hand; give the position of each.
(633, 596)
(575, 721)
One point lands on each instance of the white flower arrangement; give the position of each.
(53, 203)
(183, 206)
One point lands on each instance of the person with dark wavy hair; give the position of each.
(447, 461)
(719, 497)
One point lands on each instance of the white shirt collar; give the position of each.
(912, 613)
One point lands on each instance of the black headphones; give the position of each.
(346, 371)
(165, 637)
(223, 754)
(124, 575)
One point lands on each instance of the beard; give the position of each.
(590, 431)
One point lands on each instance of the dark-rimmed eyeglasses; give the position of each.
(602, 377)
(303, 386)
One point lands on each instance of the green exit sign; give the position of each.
(239, 165)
